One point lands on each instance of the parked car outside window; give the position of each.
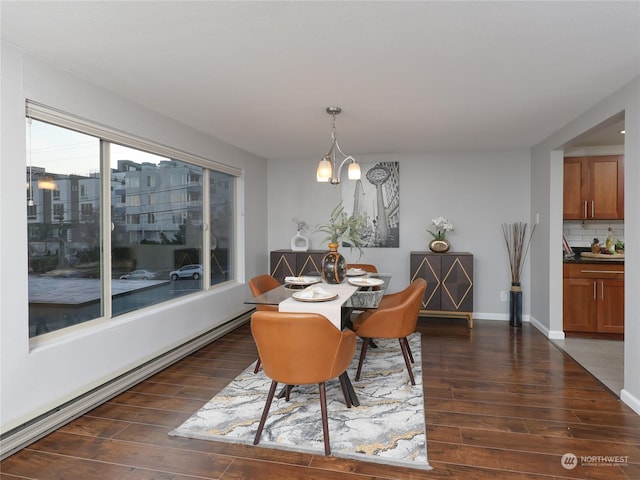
(187, 271)
(138, 275)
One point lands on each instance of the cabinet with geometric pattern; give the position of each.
(449, 279)
(290, 263)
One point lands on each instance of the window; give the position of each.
(86, 209)
(155, 224)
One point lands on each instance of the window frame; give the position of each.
(108, 135)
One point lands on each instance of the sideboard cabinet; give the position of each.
(285, 263)
(449, 279)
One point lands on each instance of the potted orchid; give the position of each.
(441, 226)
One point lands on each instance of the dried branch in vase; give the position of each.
(515, 236)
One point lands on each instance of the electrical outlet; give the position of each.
(504, 296)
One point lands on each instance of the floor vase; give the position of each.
(515, 305)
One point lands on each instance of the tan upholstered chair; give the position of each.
(300, 349)
(259, 285)
(396, 317)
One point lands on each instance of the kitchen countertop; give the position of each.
(578, 259)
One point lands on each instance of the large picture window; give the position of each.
(114, 228)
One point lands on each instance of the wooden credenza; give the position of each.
(285, 263)
(449, 279)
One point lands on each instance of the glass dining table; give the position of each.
(364, 298)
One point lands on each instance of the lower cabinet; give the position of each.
(593, 298)
(449, 279)
(290, 263)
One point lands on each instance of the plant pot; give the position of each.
(334, 265)
(439, 246)
(515, 305)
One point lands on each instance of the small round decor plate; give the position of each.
(319, 298)
(366, 282)
(355, 272)
(302, 280)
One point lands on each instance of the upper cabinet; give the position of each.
(594, 188)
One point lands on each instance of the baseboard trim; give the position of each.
(21, 436)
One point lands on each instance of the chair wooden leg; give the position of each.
(258, 363)
(345, 390)
(363, 353)
(287, 392)
(405, 354)
(325, 419)
(265, 412)
(406, 343)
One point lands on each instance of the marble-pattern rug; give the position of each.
(388, 426)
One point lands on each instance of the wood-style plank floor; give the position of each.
(500, 403)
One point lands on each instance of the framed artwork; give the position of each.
(376, 197)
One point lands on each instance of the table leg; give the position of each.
(352, 393)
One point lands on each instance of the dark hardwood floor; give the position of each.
(500, 403)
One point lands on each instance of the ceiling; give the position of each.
(409, 76)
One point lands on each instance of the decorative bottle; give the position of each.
(610, 243)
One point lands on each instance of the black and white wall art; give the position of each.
(376, 197)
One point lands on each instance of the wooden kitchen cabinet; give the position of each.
(449, 279)
(593, 298)
(289, 263)
(594, 188)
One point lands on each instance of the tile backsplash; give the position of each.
(581, 234)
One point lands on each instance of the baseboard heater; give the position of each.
(19, 437)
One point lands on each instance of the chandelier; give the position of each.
(328, 168)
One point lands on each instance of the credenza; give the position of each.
(449, 279)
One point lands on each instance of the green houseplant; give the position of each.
(345, 228)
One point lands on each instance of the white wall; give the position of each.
(546, 181)
(36, 379)
(475, 191)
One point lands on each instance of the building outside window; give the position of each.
(67, 265)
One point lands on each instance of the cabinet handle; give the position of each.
(593, 208)
(602, 290)
(585, 209)
(595, 294)
(603, 271)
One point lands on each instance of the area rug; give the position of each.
(388, 426)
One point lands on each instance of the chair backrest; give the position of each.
(301, 348)
(399, 319)
(261, 284)
(367, 267)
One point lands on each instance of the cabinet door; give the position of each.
(610, 306)
(606, 186)
(576, 181)
(282, 264)
(309, 263)
(428, 267)
(457, 283)
(579, 306)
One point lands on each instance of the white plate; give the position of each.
(302, 280)
(355, 272)
(319, 298)
(366, 282)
